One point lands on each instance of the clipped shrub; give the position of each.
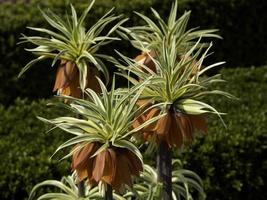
(26, 148)
(231, 161)
(241, 24)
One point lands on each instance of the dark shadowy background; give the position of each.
(230, 161)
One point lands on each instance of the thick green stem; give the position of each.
(164, 167)
(108, 193)
(81, 189)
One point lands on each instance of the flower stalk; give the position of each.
(164, 168)
(108, 193)
(81, 189)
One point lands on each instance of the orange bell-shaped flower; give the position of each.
(114, 166)
(67, 79)
(174, 127)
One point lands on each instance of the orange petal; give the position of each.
(99, 165)
(60, 78)
(138, 121)
(163, 125)
(123, 167)
(82, 174)
(199, 122)
(80, 156)
(152, 113)
(74, 86)
(70, 70)
(113, 157)
(143, 103)
(123, 175)
(140, 57)
(186, 126)
(135, 164)
(65, 91)
(90, 167)
(92, 81)
(67, 79)
(81, 161)
(110, 166)
(117, 181)
(176, 135)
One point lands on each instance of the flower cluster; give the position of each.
(165, 103)
(113, 165)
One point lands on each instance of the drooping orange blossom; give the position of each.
(67, 79)
(113, 165)
(175, 127)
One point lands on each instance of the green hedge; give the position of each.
(26, 148)
(241, 22)
(230, 161)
